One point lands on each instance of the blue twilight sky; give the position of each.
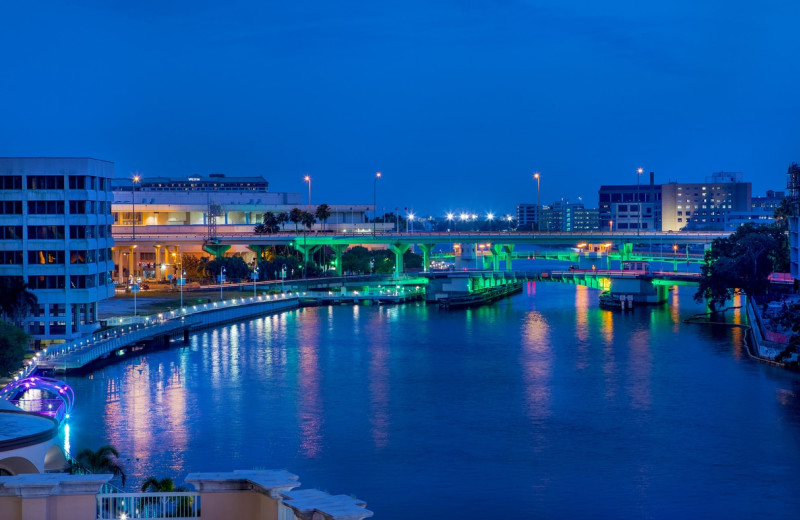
(456, 102)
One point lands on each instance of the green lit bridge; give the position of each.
(498, 246)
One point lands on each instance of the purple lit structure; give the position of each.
(55, 397)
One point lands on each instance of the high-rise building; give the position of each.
(562, 215)
(55, 232)
(706, 205)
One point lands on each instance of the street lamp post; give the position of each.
(375, 201)
(638, 200)
(255, 277)
(134, 182)
(490, 218)
(307, 178)
(180, 283)
(538, 201)
(222, 272)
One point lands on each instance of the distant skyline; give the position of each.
(457, 103)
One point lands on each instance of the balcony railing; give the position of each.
(172, 505)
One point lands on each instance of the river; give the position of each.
(539, 406)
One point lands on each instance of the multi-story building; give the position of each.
(793, 185)
(562, 215)
(527, 216)
(55, 232)
(630, 207)
(177, 209)
(704, 206)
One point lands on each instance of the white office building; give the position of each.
(55, 232)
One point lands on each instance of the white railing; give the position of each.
(172, 505)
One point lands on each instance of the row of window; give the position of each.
(11, 207)
(80, 281)
(55, 232)
(44, 257)
(55, 182)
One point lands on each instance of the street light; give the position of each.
(410, 222)
(638, 200)
(538, 200)
(222, 272)
(307, 178)
(375, 201)
(255, 277)
(449, 218)
(134, 182)
(490, 218)
(180, 283)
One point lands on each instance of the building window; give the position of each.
(45, 207)
(46, 232)
(10, 232)
(45, 257)
(11, 207)
(45, 182)
(11, 257)
(11, 182)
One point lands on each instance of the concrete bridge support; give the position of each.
(258, 250)
(509, 251)
(398, 250)
(426, 256)
(218, 250)
(626, 250)
(338, 249)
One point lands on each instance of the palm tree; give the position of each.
(283, 218)
(16, 301)
(323, 213)
(296, 216)
(308, 219)
(268, 225)
(101, 461)
(177, 506)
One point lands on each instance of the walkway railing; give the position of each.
(103, 342)
(172, 505)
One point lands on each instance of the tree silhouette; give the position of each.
(104, 460)
(295, 217)
(323, 213)
(308, 219)
(16, 301)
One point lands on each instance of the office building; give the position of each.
(55, 232)
(630, 207)
(706, 205)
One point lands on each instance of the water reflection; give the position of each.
(536, 360)
(582, 326)
(378, 346)
(310, 402)
(640, 365)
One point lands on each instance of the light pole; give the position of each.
(134, 182)
(255, 277)
(180, 283)
(307, 178)
(375, 201)
(638, 200)
(538, 200)
(449, 218)
(490, 218)
(283, 276)
(222, 272)
(410, 222)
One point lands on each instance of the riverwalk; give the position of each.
(74, 355)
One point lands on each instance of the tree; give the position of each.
(323, 213)
(104, 460)
(175, 506)
(235, 267)
(13, 344)
(356, 260)
(282, 218)
(268, 225)
(743, 260)
(308, 220)
(194, 267)
(16, 301)
(296, 216)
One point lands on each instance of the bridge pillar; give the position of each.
(218, 250)
(509, 253)
(338, 249)
(159, 261)
(626, 251)
(497, 252)
(398, 250)
(258, 249)
(426, 256)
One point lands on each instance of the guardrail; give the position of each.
(173, 505)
